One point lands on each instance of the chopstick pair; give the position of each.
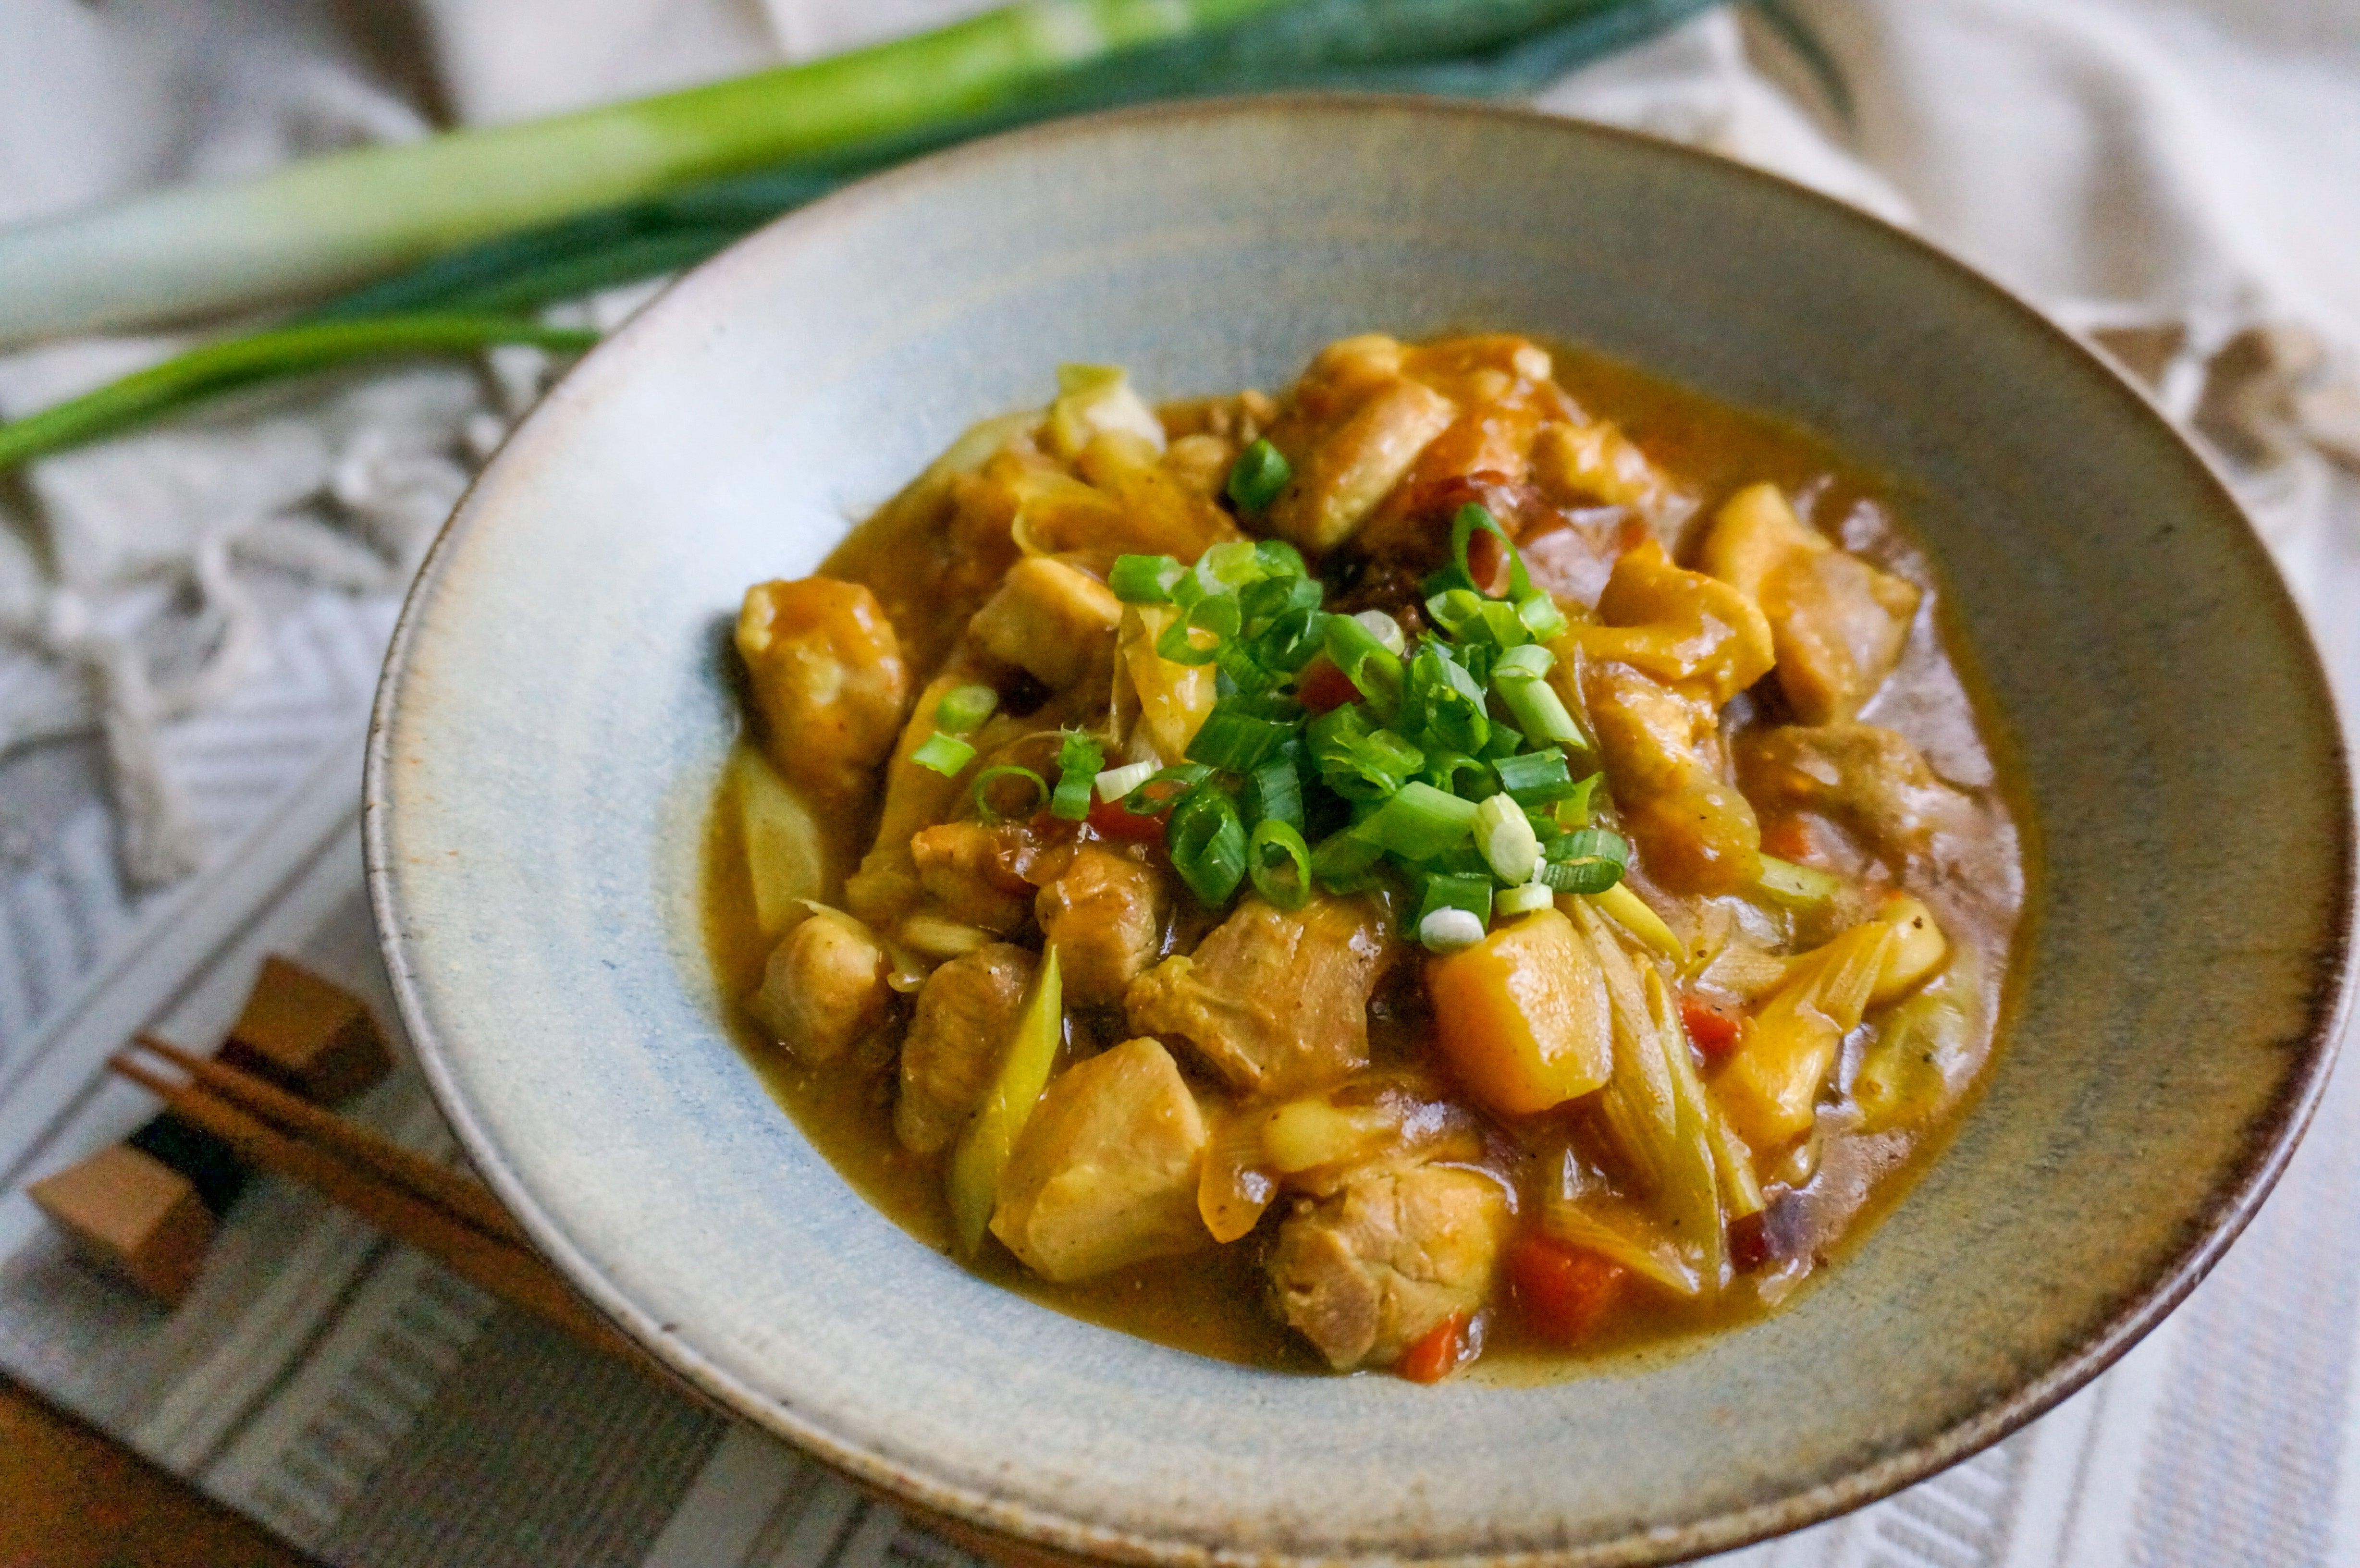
(436, 1210)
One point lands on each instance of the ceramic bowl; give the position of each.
(555, 709)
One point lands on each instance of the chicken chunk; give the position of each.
(1679, 627)
(1105, 1171)
(1052, 620)
(1863, 777)
(1839, 624)
(973, 874)
(965, 1014)
(1665, 764)
(1274, 1002)
(1105, 914)
(824, 987)
(828, 680)
(1582, 465)
(1341, 475)
(1365, 1274)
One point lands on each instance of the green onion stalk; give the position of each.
(502, 220)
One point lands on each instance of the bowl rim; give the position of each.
(1030, 1532)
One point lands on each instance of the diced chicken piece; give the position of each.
(1274, 1002)
(1664, 763)
(824, 987)
(1104, 915)
(1365, 1274)
(1348, 470)
(1862, 777)
(965, 1014)
(1840, 625)
(1582, 465)
(1679, 627)
(972, 874)
(1052, 620)
(1105, 1171)
(828, 678)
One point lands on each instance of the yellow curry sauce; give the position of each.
(1891, 792)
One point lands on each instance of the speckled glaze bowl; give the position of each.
(554, 711)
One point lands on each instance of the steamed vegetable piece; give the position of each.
(786, 851)
(1771, 1084)
(982, 1155)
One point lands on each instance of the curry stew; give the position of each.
(1481, 850)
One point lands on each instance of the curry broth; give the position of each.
(1212, 1302)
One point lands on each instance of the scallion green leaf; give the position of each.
(1541, 616)
(1525, 899)
(1471, 519)
(1372, 667)
(1589, 861)
(963, 708)
(1196, 637)
(1036, 791)
(1419, 821)
(944, 754)
(1144, 579)
(1261, 472)
(1442, 705)
(1280, 863)
(1235, 740)
(1343, 861)
(1274, 793)
(1358, 760)
(1540, 713)
(1449, 930)
(1116, 782)
(1573, 811)
(1456, 891)
(1163, 787)
(1077, 766)
(1529, 662)
(1208, 845)
(1535, 777)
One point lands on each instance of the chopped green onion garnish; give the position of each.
(1358, 760)
(1162, 787)
(1535, 777)
(1529, 662)
(1214, 618)
(1280, 863)
(1261, 472)
(1274, 794)
(1343, 860)
(1785, 882)
(1470, 519)
(1385, 629)
(1470, 891)
(1541, 616)
(1116, 782)
(1077, 763)
(1540, 712)
(964, 707)
(1589, 861)
(1208, 845)
(1523, 900)
(1144, 579)
(1573, 811)
(1473, 619)
(1372, 667)
(1235, 740)
(1442, 703)
(1449, 931)
(1507, 840)
(1228, 566)
(1419, 821)
(1456, 773)
(991, 811)
(947, 755)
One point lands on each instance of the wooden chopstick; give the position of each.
(502, 1268)
(438, 1184)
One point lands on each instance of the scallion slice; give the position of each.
(1116, 782)
(1469, 892)
(1144, 579)
(1573, 811)
(1280, 863)
(1525, 899)
(963, 708)
(1442, 705)
(1535, 777)
(1162, 787)
(1077, 763)
(1589, 861)
(1419, 821)
(1208, 845)
(1471, 518)
(1372, 667)
(1235, 740)
(1385, 629)
(1261, 472)
(1274, 794)
(1507, 840)
(944, 754)
(992, 811)
(1342, 862)
(1540, 713)
(1449, 931)
(1215, 618)
(1528, 662)
(1541, 616)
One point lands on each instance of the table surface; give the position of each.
(78, 1500)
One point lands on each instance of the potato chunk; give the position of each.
(824, 987)
(1364, 1274)
(1104, 915)
(1052, 620)
(1523, 1015)
(1273, 1001)
(964, 1016)
(827, 678)
(1839, 624)
(1105, 1171)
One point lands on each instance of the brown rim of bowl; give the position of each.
(1024, 1534)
